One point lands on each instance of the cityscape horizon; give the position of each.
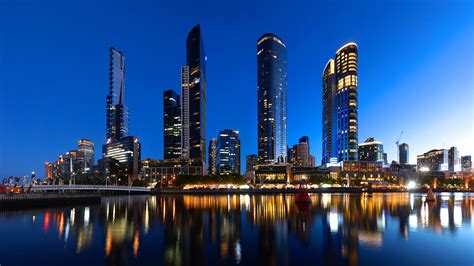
(248, 143)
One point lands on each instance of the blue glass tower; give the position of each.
(228, 152)
(272, 87)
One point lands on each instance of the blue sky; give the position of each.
(416, 70)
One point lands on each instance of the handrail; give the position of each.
(88, 187)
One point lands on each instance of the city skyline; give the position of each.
(141, 123)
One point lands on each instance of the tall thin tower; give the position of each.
(117, 112)
(271, 87)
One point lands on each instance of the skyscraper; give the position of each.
(403, 153)
(329, 113)
(126, 151)
(86, 153)
(194, 80)
(185, 112)
(228, 152)
(340, 111)
(171, 125)
(250, 162)
(371, 151)
(272, 89)
(212, 160)
(117, 112)
(454, 162)
(466, 163)
(299, 154)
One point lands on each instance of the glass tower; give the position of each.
(228, 152)
(117, 112)
(212, 160)
(271, 87)
(340, 111)
(171, 124)
(403, 153)
(196, 87)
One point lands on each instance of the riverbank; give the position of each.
(292, 191)
(34, 200)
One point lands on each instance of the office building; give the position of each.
(228, 152)
(272, 105)
(340, 106)
(164, 171)
(466, 163)
(86, 153)
(371, 151)
(171, 125)
(299, 154)
(454, 162)
(434, 160)
(403, 153)
(212, 160)
(193, 87)
(250, 162)
(117, 112)
(126, 151)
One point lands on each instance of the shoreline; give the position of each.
(170, 191)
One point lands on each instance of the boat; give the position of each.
(303, 195)
(430, 195)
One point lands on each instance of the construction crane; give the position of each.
(397, 142)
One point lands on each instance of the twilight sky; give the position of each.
(416, 70)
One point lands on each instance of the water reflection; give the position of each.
(247, 229)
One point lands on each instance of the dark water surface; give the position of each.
(337, 229)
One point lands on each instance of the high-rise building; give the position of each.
(403, 153)
(454, 162)
(212, 160)
(117, 112)
(340, 106)
(126, 151)
(86, 153)
(371, 151)
(272, 106)
(329, 113)
(185, 112)
(434, 160)
(299, 154)
(466, 163)
(171, 125)
(228, 152)
(193, 84)
(250, 162)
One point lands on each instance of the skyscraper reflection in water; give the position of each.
(338, 229)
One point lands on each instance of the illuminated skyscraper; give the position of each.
(371, 151)
(454, 161)
(126, 151)
(212, 158)
(340, 106)
(228, 152)
(193, 85)
(171, 125)
(86, 153)
(434, 160)
(272, 89)
(329, 113)
(117, 112)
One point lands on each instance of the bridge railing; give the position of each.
(89, 187)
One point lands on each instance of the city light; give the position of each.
(411, 185)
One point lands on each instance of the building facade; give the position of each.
(212, 158)
(329, 143)
(434, 160)
(171, 125)
(250, 162)
(193, 84)
(466, 163)
(340, 106)
(153, 170)
(299, 154)
(117, 112)
(454, 162)
(86, 153)
(403, 153)
(272, 102)
(228, 152)
(126, 151)
(371, 151)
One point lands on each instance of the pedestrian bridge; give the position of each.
(98, 188)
